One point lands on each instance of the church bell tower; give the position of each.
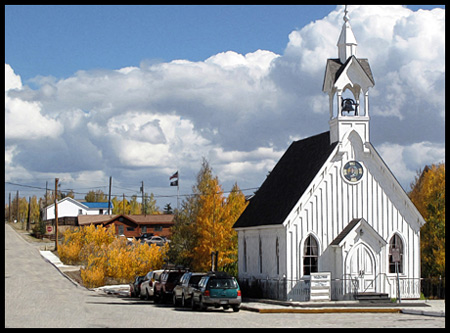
(347, 82)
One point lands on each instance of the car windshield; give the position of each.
(222, 283)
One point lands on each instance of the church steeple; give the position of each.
(347, 41)
(347, 78)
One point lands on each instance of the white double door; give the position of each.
(361, 267)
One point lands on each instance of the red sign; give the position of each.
(49, 228)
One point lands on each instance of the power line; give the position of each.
(129, 196)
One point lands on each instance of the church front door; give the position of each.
(361, 267)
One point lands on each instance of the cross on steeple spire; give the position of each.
(345, 14)
(347, 41)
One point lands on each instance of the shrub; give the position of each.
(105, 255)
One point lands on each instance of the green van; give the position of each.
(217, 289)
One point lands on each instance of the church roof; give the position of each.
(287, 182)
(335, 68)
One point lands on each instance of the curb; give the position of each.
(48, 256)
(322, 310)
(423, 313)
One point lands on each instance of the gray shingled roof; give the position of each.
(287, 182)
(335, 67)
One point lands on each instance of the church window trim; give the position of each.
(260, 261)
(277, 255)
(310, 257)
(396, 241)
(245, 254)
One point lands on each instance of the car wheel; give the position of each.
(147, 296)
(193, 305)
(201, 305)
(236, 308)
(183, 301)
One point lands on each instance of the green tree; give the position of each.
(428, 195)
(150, 206)
(168, 209)
(96, 196)
(135, 206)
(184, 233)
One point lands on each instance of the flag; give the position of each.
(175, 182)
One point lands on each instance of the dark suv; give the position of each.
(185, 287)
(167, 281)
(217, 289)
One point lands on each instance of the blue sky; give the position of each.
(64, 39)
(138, 92)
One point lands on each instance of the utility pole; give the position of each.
(46, 191)
(56, 214)
(109, 197)
(123, 204)
(17, 206)
(29, 213)
(143, 204)
(9, 207)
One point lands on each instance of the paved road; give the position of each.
(38, 295)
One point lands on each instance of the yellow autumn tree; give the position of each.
(428, 195)
(214, 224)
(235, 205)
(209, 225)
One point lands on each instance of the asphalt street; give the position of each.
(38, 295)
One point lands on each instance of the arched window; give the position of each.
(395, 254)
(310, 255)
(277, 255)
(245, 254)
(260, 256)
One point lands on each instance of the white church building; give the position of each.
(331, 205)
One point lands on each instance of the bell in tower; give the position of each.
(346, 79)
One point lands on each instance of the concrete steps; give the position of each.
(373, 297)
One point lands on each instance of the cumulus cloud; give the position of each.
(241, 111)
(23, 119)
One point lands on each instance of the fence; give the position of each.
(433, 287)
(341, 289)
(294, 290)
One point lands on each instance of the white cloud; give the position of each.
(23, 119)
(239, 111)
(406, 161)
(12, 81)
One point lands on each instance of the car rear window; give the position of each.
(222, 283)
(194, 279)
(173, 276)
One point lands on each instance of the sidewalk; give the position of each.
(417, 307)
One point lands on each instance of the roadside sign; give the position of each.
(49, 228)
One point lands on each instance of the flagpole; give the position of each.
(175, 175)
(178, 191)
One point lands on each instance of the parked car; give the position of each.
(182, 292)
(158, 240)
(135, 286)
(164, 287)
(217, 289)
(145, 236)
(148, 286)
